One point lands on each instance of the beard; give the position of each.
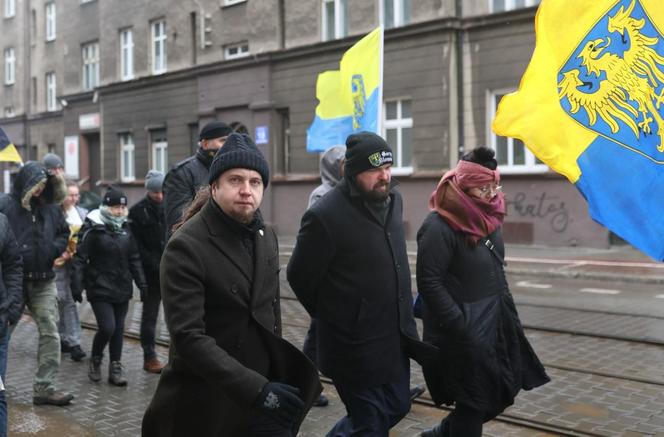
(377, 194)
(243, 216)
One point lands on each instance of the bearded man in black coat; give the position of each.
(350, 271)
(230, 374)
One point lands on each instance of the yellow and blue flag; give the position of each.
(350, 99)
(590, 106)
(8, 151)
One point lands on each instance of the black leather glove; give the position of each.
(77, 296)
(143, 293)
(281, 402)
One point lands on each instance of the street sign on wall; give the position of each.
(71, 156)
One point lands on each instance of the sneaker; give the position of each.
(53, 397)
(321, 401)
(94, 369)
(77, 353)
(153, 365)
(115, 374)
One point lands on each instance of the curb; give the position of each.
(625, 278)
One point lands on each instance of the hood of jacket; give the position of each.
(31, 178)
(330, 165)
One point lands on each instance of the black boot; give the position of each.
(94, 369)
(77, 353)
(115, 376)
(439, 430)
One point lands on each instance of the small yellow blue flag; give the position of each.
(8, 151)
(350, 99)
(590, 106)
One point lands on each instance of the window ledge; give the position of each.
(402, 171)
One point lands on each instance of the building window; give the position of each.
(51, 103)
(397, 129)
(9, 111)
(50, 21)
(10, 8)
(10, 66)
(126, 54)
(160, 155)
(511, 154)
(508, 5)
(127, 165)
(90, 55)
(236, 50)
(335, 24)
(159, 47)
(394, 13)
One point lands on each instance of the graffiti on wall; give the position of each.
(544, 206)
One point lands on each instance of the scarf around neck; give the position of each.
(475, 217)
(113, 222)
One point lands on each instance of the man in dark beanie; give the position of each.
(349, 269)
(148, 224)
(186, 177)
(229, 371)
(34, 213)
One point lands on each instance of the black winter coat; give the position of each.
(469, 313)
(148, 226)
(351, 273)
(181, 184)
(11, 277)
(39, 224)
(105, 263)
(222, 309)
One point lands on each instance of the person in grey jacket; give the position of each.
(11, 283)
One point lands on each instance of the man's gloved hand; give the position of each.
(281, 402)
(77, 296)
(143, 293)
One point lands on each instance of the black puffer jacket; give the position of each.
(38, 222)
(148, 226)
(105, 263)
(469, 313)
(11, 279)
(181, 184)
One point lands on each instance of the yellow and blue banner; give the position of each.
(350, 99)
(590, 106)
(8, 151)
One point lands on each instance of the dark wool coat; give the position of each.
(469, 313)
(351, 273)
(181, 184)
(222, 309)
(39, 224)
(105, 263)
(11, 277)
(148, 226)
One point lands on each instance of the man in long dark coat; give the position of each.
(350, 271)
(230, 374)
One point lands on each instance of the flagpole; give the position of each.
(379, 125)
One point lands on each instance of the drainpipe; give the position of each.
(460, 76)
(27, 69)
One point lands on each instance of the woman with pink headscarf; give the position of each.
(468, 312)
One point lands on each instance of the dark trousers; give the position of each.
(263, 426)
(310, 347)
(110, 321)
(372, 411)
(149, 316)
(463, 422)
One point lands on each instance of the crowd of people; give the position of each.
(197, 243)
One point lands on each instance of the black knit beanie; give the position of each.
(239, 151)
(364, 151)
(114, 197)
(214, 129)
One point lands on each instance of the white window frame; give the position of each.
(50, 20)
(51, 100)
(531, 165)
(158, 43)
(399, 124)
(9, 112)
(127, 158)
(10, 8)
(510, 5)
(90, 58)
(340, 13)
(233, 2)
(160, 156)
(10, 66)
(239, 50)
(398, 6)
(126, 54)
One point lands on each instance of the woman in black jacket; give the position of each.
(106, 260)
(468, 310)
